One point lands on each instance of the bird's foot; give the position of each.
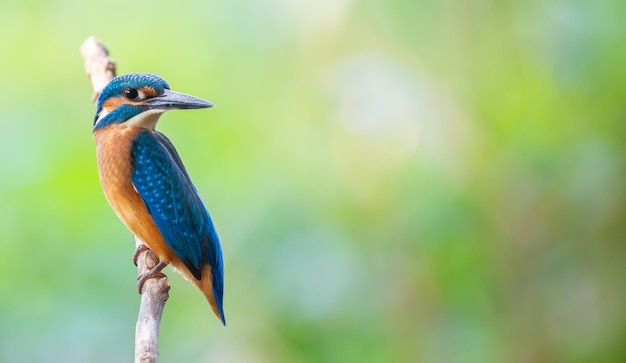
(138, 251)
(155, 272)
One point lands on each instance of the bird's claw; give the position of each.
(138, 251)
(155, 272)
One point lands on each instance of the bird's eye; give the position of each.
(131, 93)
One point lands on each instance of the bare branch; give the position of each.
(98, 66)
(155, 292)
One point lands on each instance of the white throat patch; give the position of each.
(147, 119)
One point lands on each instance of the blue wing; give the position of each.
(169, 195)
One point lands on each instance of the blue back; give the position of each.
(173, 202)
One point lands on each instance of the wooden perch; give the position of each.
(98, 66)
(155, 292)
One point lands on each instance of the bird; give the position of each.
(145, 182)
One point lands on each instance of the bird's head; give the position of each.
(139, 99)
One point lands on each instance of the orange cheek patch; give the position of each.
(149, 92)
(112, 103)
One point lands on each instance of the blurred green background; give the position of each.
(392, 181)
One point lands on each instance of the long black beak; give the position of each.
(171, 100)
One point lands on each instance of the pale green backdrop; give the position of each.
(392, 181)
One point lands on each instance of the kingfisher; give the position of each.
(148, 187)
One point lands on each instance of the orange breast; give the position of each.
(113, 147)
